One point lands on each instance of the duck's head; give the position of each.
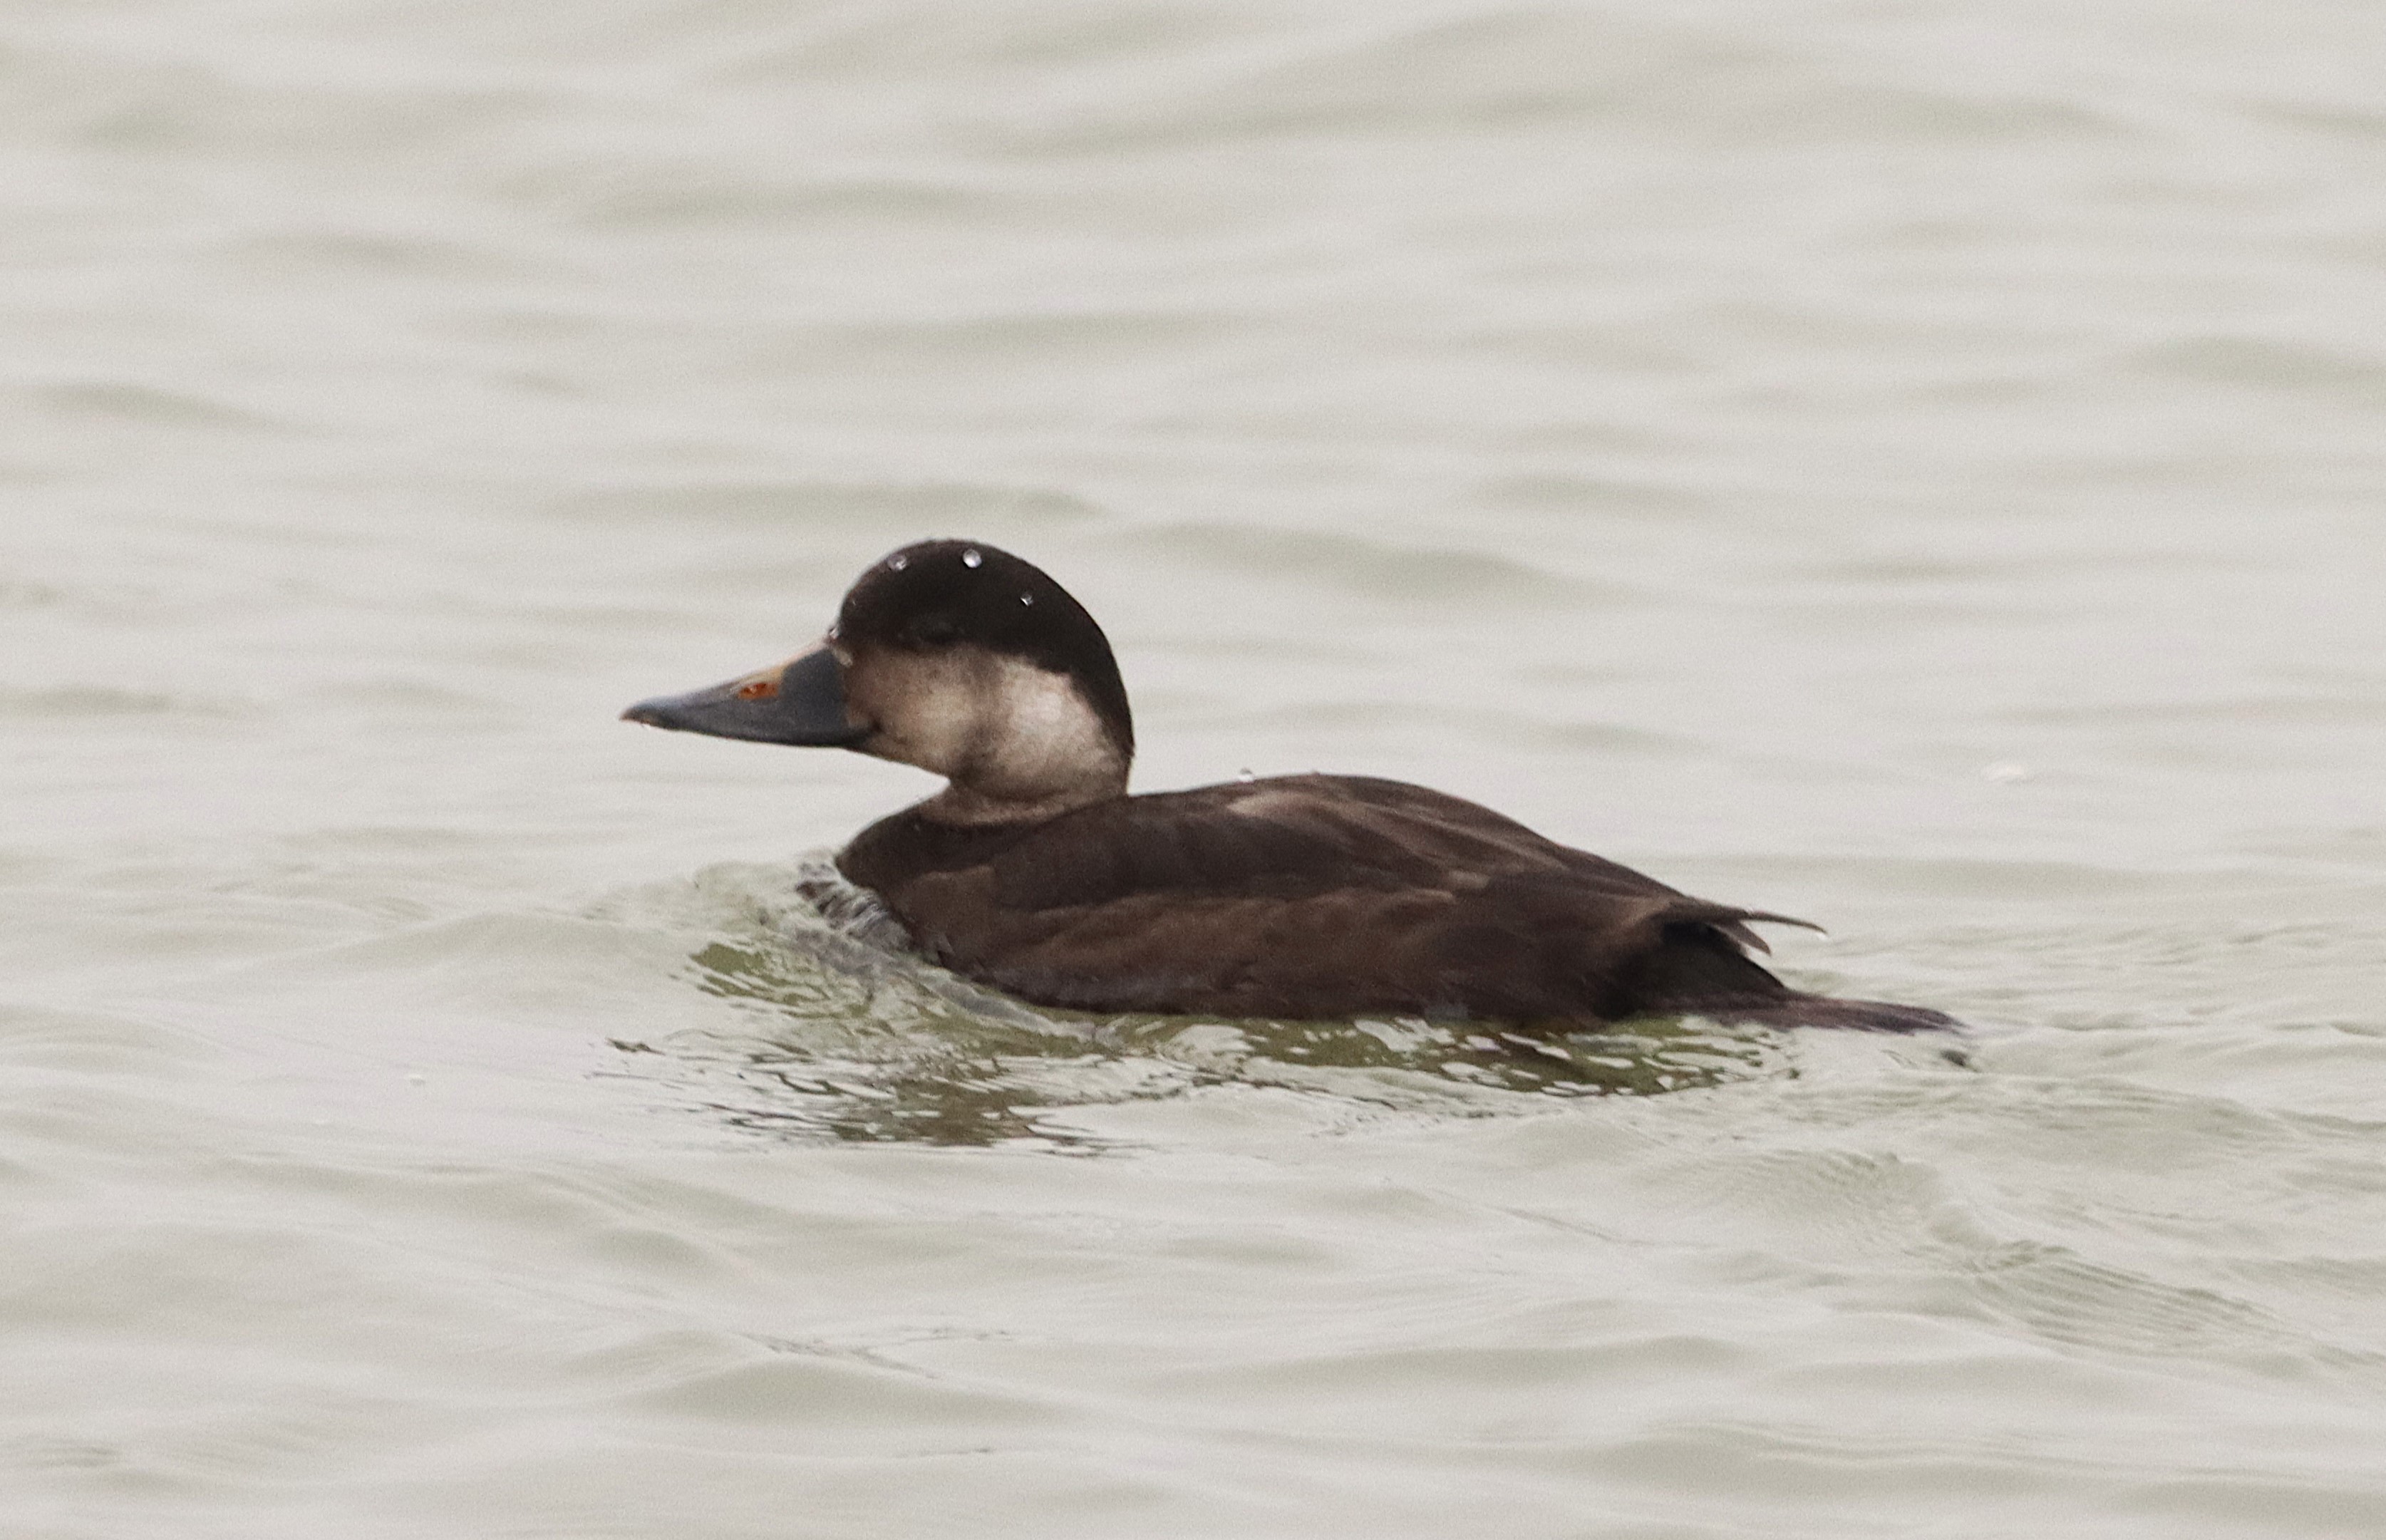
(959, 658)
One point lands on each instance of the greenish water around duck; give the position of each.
(1914, 467)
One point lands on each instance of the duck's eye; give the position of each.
(934, 631)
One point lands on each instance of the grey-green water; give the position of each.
(1911, 465)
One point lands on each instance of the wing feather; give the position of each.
(1304, 895)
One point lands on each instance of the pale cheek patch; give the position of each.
(941, 725)
(928, 711)
(1001, 730)
(1045, 735)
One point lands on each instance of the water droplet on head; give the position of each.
(1027, 598)
(832, 635)
(897, 563)
(970, 559)
(1245, 774)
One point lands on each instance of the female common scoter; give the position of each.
(1299, 895)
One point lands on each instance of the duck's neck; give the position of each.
(970, 806)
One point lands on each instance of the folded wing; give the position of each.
(1310, 895)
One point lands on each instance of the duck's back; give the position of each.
(1314, 896)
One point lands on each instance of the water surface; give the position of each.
(1914, 466)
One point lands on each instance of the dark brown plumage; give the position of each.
(1321, 895)
(1309, 897)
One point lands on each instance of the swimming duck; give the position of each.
(1309, 897)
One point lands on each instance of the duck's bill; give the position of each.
(800, 701)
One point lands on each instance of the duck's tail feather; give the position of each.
(1735, 923)
(1695, 961)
